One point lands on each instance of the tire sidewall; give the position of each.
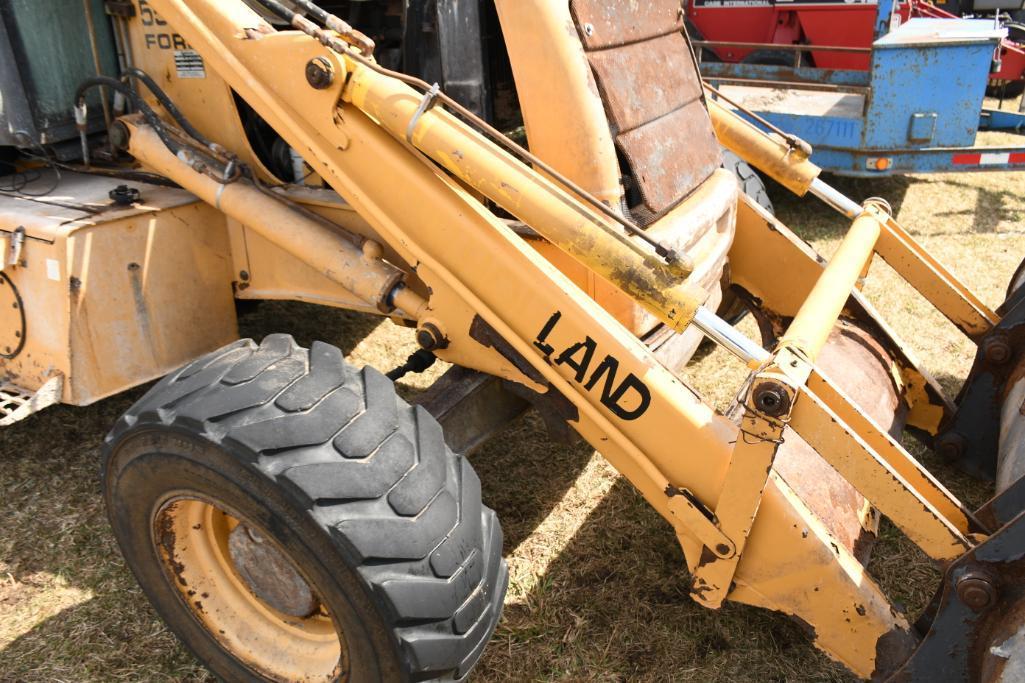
(148, 466)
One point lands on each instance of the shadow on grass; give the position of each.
(56, 550)
(614, 605)
(812, 219)
(524, 475)
(992, 207)
(308, 323)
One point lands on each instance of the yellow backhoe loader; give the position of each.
(288, 516)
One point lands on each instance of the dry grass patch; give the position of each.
(598, 587)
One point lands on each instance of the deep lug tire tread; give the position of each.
(751, 183)
(374, 472)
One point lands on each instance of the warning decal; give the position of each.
(189, 64)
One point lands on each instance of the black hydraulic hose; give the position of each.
(336, 24)
(167, 104)
(316, 11)
(147, 112)
(280, 10)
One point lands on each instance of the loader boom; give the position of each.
(415, 173)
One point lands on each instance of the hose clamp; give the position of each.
(425, 104)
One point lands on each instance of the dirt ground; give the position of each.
(598, 587)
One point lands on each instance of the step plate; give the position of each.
(16, 403)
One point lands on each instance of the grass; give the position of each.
(598, 590)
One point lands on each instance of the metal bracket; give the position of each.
(769, 399)
(973, 627)
(970, 439)
(699, 521)
(14, 249)
(425, 104)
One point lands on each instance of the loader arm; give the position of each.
(416, 173)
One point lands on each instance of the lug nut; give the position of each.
(430, 337)
(320, 73)
(977, 591)
(996, 350)
(771, 399)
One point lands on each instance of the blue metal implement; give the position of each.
(917, 110)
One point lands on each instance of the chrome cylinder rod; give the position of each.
(836, 199)
(727, 336)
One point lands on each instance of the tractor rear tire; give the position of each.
(731, 308)
(291, 518)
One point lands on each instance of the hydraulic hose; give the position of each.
(169, 106)
(81, 111)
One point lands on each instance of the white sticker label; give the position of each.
(53, 269)
(987, 158)
(189, 64)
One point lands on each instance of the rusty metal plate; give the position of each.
(605, 23)
(672, 155)
(860, 366)
(644, 81)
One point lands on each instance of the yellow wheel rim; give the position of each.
(192, 539)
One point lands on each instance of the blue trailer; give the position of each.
(917, 110)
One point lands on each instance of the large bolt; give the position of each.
(320, 73)
(977, 590)
(430, 337)
(119, 135)
(123, 195)
(996, 350)
(771, 398)
(951, 446)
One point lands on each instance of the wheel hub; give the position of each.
(248, 593)
(269, 574)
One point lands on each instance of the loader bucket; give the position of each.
(1011, 445)
(975, 626)
(860, 365)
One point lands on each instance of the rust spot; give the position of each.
(165, 533)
